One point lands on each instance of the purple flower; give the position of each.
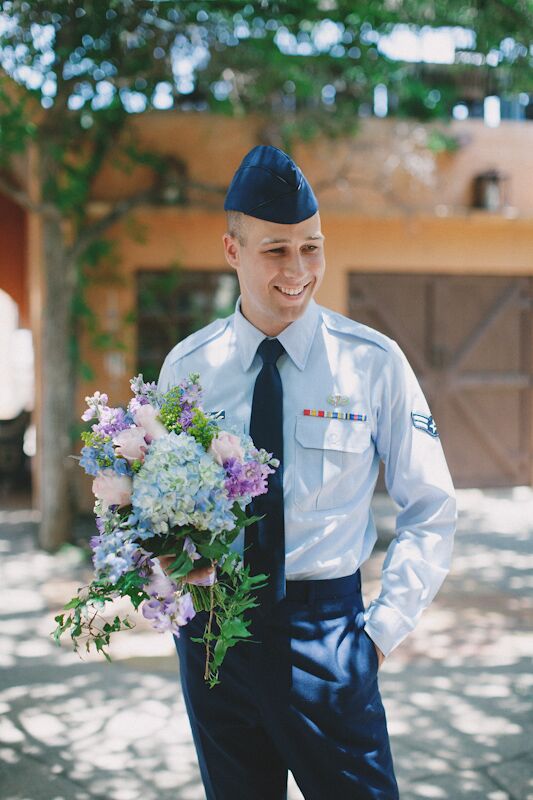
(185, 419)
(94, 542)
(95, 404)
(190, 549)
(185, 609)
(142, 560)
(249, 478)
(135, 404)
(191, 393)
(112, 421)
(166, 610)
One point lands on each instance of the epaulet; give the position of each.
(341, 324)
(198, 339)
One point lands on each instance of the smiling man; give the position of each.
(280, 267)
(330, 398)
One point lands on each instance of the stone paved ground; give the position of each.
(458, 691)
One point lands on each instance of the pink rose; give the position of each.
(112, 489)
(146, 417)
(131, 444)
(224, 446)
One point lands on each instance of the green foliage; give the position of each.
(102, 57)
(16, 126)
(202, 429)
(232, 596)
(171, 409)
(86, 624)
(228, 600)
(439, 142)
(98, 440)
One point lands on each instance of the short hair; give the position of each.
(236, 221)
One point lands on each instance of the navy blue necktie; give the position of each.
(265, 540)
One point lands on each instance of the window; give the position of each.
(172, 304)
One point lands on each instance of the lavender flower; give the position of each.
(95, 404)
(186, 417)
(191, 392)
(145, 392)
(112, 421)
(167, 610)
(190, 549)
(246, 479)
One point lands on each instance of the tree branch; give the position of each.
(20, 197)
(154, 196)
(100, 226)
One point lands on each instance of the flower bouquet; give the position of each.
(167, 481)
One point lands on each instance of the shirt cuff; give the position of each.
(386, 627)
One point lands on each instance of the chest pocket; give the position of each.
(330, 455)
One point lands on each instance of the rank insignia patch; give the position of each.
(424, 423)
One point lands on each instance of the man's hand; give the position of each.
(196, 575)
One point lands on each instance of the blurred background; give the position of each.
(121, 125)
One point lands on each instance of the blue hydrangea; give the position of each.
(122, 467)
(114, 554)
(180, 484)
(88, 460)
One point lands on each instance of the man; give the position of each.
(330, 397)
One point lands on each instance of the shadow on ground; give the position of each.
(457, 691)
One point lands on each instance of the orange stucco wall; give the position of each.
(387, 204)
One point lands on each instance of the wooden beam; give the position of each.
(509, 294)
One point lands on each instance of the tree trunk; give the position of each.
(57, 507)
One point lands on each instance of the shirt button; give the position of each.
(333, 438)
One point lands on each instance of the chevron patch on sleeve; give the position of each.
(424, 423)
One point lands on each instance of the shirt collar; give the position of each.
(297, 338)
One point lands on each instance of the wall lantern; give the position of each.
(491, 190)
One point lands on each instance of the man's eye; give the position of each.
(311, 247)
(276, 250)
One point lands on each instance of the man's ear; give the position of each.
(231, 250)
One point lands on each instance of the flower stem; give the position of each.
(208, 643)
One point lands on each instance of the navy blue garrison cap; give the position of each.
(269, 185)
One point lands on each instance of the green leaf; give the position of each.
(74, 603)
(235, 628)
(181, 566)
(213, 551)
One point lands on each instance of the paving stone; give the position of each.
(516, 776)
(461, 785)
(457, 691)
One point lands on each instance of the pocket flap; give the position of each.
(332, 434)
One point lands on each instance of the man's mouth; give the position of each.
(292, 291)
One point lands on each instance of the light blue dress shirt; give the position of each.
(331, 465)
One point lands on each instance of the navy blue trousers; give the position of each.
(302, 696)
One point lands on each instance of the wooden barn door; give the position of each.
(469, 341)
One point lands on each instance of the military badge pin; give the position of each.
(338, 399)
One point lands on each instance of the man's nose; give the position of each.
(295, 266)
